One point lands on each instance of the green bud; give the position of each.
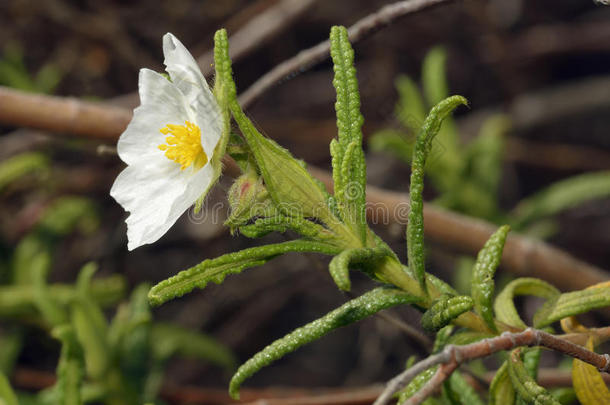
(248, 198)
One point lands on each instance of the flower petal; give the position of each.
(186, 75)
(162, 103)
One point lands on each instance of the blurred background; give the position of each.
(543, 65)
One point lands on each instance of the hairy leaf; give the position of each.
(444, 310)
(501, 391)
(505, 307)
(572, 303)
(588, 383)
(483, 276)
(415, 227)
(349, 168)
(459, 391)
(365, 257)
(525, 385)
(215, 270)
(350, 312)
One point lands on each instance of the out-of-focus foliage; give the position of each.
(14, 73)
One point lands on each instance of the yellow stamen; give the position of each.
(184, 145)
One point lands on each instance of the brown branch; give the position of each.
(453, 356)
(307, 58)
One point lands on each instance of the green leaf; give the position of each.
(415, 227)
(467, 337)
(349, 168)
(501, 391)
(588, 382)
(572, 303)
(168, 339)
(68, 213)
(7, 395)
(445, 309)
(392, 142)
(562, 195)
(434, 76)
(525, 385)
(505, 307)
(18, 166)
(70, 370)
(460, 391)
(483, 276)
(442, 338)
(215, 270)
(50, 309)
(350, 312)
(410, 108)
(365, 258)
(416, 384)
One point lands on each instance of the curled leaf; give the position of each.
(484, 269)
(505, 307)
(572, 303)
(501, 391)
(352, 311)
(365, 257)
(444, 310)
(525, 385)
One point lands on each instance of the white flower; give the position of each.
(168, 146)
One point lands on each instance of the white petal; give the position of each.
(156, 195)
(162, 104)
(185, 74)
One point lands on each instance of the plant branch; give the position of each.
(307, 58)
(453, 356)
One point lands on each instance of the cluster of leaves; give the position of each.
(276, 193)
(116, 362)
(467, 176)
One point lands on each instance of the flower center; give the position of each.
(183, 145)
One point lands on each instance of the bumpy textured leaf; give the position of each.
(562, 195)
(572, 303)
(349, 168)
(588, 383)
(501, 391)
(350, 312)
(444, 310)
(505, 307)
(415, 227)
(215, 270)
(483, 276)
(70, 370)
(366, 257)
(416, 384)
(525, 385)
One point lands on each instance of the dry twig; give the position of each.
(307, 58)
(453, 356)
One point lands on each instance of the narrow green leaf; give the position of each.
(442, 338)
(570, 304)
(17, 166)
(215, 270)
(91, 328)
(562, 195)
(525, 385)
(505, 307)
(460, 391)
(169, 339)
(349, 168)
(364, 257)
(392, 142)
(53, 313)
(350, 312)
(444, 310)
(501, 391)
(415, 227)
(434, 76)
(7, 395)
(410, 108)
(483, 276)
(70, 370)
(416, 384)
